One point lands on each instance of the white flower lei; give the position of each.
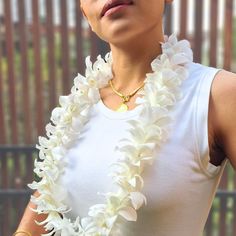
(161, 91)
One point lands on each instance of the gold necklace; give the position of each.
(125, 98)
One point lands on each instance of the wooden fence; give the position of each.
(43, 44)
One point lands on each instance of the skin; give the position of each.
(128, 30)
(28, 221)
(221, 119)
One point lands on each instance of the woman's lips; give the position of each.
(115, 5)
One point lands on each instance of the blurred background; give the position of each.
(43, 44)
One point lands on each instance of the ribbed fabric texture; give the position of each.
(181, 184)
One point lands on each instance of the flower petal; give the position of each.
(128, 213)
(137, 199)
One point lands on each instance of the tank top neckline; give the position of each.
(112, 114)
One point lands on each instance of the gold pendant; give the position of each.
(122, 108)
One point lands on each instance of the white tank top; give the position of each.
(180, 185)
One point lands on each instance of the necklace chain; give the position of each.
(125, 98)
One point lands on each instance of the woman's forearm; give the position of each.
(28, 221)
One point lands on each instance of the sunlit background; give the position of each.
(43, 44)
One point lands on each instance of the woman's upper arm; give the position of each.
(224, 96)
(29, 217)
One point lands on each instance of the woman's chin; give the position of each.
(121, 40)
(126, 37)
(120, 34)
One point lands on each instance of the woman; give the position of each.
(161, 125)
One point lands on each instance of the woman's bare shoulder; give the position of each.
(223, 102)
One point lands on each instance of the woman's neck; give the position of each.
(131, 64)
